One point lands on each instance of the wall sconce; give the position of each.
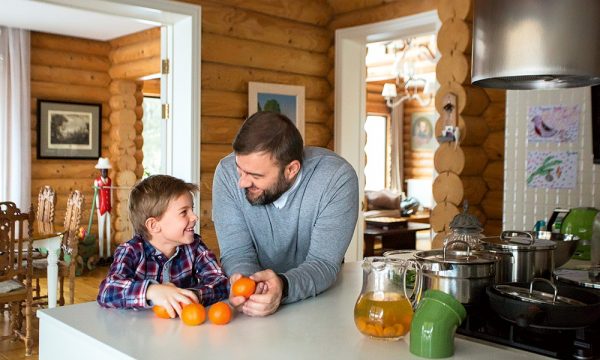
(410, 93)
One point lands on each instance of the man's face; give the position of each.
(263, 180)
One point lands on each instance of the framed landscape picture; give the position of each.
(285, 99)
(68, 130)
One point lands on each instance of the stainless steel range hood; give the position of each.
(536, 44)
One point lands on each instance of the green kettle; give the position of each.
(579, 222)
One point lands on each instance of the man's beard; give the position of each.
(271, 194)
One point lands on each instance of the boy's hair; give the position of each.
(273, 133)
(151, 197)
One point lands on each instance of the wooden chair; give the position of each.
(15, 272)
(67, 261)
(45, 210)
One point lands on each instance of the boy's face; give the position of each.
(176, 226)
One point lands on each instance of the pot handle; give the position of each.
(457, 242)
(510, 235)
(546, 281)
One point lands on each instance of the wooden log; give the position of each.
(211, 154)
(53, 74)
(117, 149)
(125, 178)
(475, 188)
(477, 211)
(448, 187)
(139, 112)
(492, 204)
(496, 95)
(449, 158)
(331, 76)
(418, 163)
(441, 216)
(388, 11)
(68, 43)
(124, 118)
(455, 9)
(122, 134)
(152, 87)
(105, 109)
(454, 67)
(136, 69)
(494, 175)
(374, 87)
(454, 36)
(377, 108)
(69, 60)
(475, 160)
(494, 146)
(418, 173)
(63, 188)
(309, 11)
(438, 240)
(212, 104)
(206, 182)
(138, 141)
(263, 56)
(239, 23)
(492, 227)
(120, 102)
(471, 100)
(344, 6)
(59, 169)
(136, 51)
(495, 116)
(141, 36)
(125, 162)
(220, 130)
(317, 135)
(81, 93)
(235, 78)
(473, 130)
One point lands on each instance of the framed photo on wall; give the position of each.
(422, 132)
(68, 130)
(285, 99)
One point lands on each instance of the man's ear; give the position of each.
(152, 225)
(292, 169)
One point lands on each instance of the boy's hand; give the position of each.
(170, 297)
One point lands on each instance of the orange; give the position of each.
(243, 286)
(219, 313)
(193, 314)
(161, 312)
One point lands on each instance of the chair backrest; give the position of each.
(15, 241)
(46, 204)
(75, 204)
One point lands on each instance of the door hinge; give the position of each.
(165, 66)
(165, 111)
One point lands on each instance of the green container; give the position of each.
(434, 325)
(579, 222)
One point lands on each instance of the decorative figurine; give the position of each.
(104, 201)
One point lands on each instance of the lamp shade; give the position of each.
(389, 91)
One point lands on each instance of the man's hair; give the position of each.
(272, 133)
(151, 197)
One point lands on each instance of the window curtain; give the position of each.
(15, 129)
(396, 156)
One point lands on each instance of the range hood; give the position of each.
(536, 44)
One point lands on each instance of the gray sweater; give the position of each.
(305, 241)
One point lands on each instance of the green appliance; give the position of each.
(579, 222)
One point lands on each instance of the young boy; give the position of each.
(165, 263)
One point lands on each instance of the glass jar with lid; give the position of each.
(465, 227)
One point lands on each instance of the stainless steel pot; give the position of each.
(521, 256)
(461, 273)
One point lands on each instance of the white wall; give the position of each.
(523, 206)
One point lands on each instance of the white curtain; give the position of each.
(396, 155)
(15, 109)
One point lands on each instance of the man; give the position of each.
(284, 214)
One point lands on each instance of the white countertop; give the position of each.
(317, 328)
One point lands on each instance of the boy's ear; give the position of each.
(152, 225)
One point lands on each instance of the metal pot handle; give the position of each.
(457, 242)
(509, 235)
(546, 281)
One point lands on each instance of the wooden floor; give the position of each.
(86, 289)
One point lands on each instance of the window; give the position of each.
(152, 136)
(376, 152)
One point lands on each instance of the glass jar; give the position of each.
(467, 228)
(384, 308)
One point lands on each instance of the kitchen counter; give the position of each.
(316, 328)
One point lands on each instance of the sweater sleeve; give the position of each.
(238, 254)
(330, 237)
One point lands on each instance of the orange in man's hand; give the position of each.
(161, 312)
(219, 313)
(193, 314)
(243, 286)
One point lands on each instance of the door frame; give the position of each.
(350, 94)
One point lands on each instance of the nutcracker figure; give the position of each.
(103, 185)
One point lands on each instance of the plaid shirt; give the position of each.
(137, 264)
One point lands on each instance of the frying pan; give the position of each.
(582, 311)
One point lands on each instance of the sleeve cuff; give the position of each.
(285, 286)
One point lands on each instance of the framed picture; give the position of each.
(68, 130)
(285, 99)
(421, 132)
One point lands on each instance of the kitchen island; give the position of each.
(317, 328)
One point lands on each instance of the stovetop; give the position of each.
(583, 343)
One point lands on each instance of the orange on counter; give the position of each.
(193, 314)
(243, 286)
(161, 312)
(219, 313)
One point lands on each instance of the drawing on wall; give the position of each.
(553, 123)
(552, 170)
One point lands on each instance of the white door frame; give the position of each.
(183, 22)
(350, 94)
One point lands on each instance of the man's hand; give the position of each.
(267, 297)
(238, 301)
(170, 297)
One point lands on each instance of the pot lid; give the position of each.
(518, 240)
(589, 277)
(536, 296)
(465, 222)
(456, 256)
